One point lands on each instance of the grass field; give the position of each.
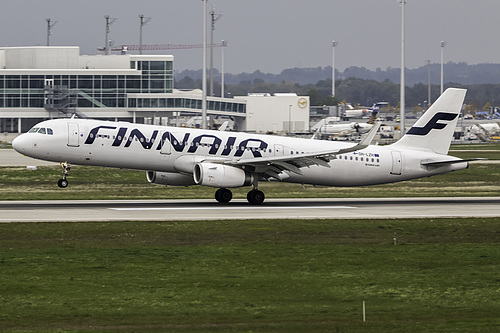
(103, 183)
(251, 276)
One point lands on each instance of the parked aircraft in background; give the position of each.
(344, 128)
(486, 131)
(224, 160)
(330, 125)
(350, 112)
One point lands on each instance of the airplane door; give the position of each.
(73, 136)
(278, 150)
(166, 146)
(397, 163)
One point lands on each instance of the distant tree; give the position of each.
(330, 100)
(186, 83)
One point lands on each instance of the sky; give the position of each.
(270, 35)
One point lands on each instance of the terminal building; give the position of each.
(39, 83)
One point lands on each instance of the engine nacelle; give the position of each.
(220, 175)
(169, 178)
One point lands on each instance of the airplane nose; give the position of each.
(19, 143)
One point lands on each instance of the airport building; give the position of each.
(38, 83)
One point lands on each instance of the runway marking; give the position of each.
(228, 207)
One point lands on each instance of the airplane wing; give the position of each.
(270, 167)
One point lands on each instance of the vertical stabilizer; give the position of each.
(434, 130)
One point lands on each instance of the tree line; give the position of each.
(356, 91)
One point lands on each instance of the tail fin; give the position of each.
(434, 130)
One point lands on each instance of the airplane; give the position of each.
(351, 112)
(185, 156)
(344, 128)
(485, 131)
(329, 126)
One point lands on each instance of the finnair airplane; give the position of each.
(184, 156)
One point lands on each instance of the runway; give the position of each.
(198, 210)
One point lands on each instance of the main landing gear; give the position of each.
(63, 183)
(254, 197)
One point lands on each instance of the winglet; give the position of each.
(365, 142)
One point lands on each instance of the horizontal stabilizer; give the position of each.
(446, 162)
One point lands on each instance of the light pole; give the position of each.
(215, 18)
(204, 73)
(428, 83)
(402, 90)
(50, 24)
(443, 44)
(109, 22)
(334, 44)
(224, 44)
(290, 119)
(143, 23)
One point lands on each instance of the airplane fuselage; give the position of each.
(177, 150)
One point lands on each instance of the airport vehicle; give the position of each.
(224, 160)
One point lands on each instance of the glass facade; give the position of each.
(90, 91)
(185, 104)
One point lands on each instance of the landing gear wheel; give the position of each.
(62, 183)
(223, 195)
(255, 197)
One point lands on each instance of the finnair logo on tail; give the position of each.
(433, 123)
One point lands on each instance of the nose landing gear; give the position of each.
(63, 183)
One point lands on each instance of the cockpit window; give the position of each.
(41, 130)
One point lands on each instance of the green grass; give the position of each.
(18, 183)
(106, 183)
(251, 276)
(476, 146)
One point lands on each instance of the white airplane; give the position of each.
(344, 128)
(351, 112)
(184, 156)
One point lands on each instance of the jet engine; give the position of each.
(169, 178)
(220, 175)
